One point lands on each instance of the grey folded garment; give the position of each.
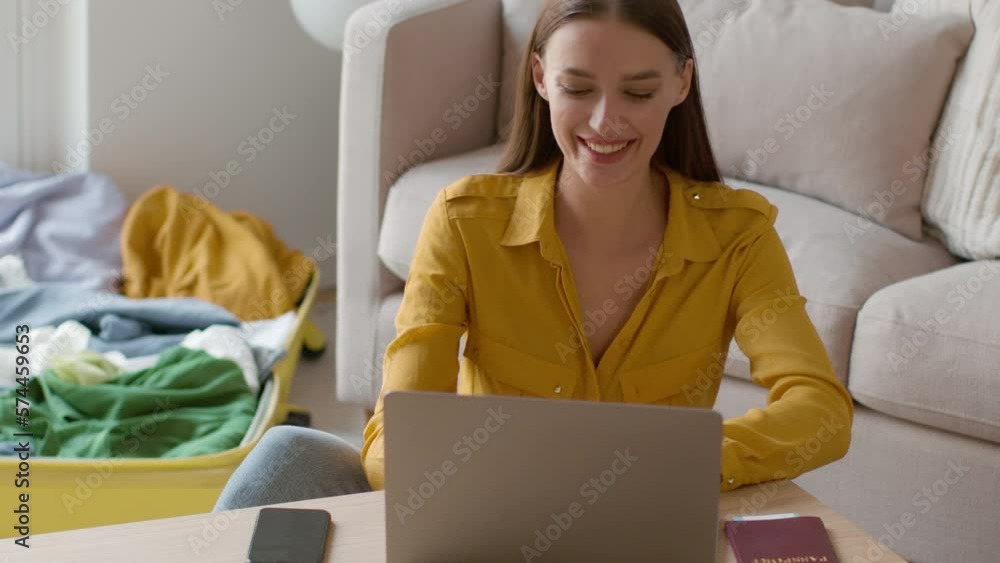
(66, 227)
(134, 327)
(116, 327)
(130, 337)
(141, 346)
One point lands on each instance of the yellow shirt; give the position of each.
(489, 261)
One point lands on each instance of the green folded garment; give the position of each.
(188, 404)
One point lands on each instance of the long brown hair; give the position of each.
(685, 147)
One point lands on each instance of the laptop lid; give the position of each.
(494, 479)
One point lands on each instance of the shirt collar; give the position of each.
(688, 235)
(533, 207)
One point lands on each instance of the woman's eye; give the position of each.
(583, 92)
(573, 92)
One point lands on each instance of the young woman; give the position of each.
(604, 261)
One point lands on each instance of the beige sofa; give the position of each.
(421, 103)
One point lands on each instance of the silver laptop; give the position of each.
(471, 479)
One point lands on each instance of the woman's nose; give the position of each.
(605, 119)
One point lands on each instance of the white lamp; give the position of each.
(324, 20)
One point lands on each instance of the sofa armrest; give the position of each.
(420, 81)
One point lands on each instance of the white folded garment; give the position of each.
(269, 333)
(13, 273)
(227, 342)
(220, 341)
(45, 343)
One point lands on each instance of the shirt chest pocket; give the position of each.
(677, 381)
(504, 370)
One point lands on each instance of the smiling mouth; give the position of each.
(607, 149)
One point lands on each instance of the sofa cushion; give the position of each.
(839, 261)
(942, 485)
(837, 121)
(519, 21)
(927, 350)
(962, 196)
(410, 197)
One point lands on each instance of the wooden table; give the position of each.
(359, 530)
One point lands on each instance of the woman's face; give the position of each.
(610, 87)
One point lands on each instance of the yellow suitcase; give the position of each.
(66, 494)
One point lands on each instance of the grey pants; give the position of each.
(292, 463)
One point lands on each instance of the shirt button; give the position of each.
(696, 196)
(558, 389)
(731, 480)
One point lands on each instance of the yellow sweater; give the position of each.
(489, 261)
(179, 245)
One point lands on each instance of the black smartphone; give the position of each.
(289, 535)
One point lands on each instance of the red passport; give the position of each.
(784, 540)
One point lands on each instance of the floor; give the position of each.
(314, 386)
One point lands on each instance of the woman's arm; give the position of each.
(431, 320)
(807, 422)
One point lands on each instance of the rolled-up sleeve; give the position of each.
(807, 420)
(429, 326)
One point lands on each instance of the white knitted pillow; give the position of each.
(961, 204)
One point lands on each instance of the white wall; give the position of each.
(208, 81)
(9, 122)
(51, 83)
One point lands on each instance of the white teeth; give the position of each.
(606, 149)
